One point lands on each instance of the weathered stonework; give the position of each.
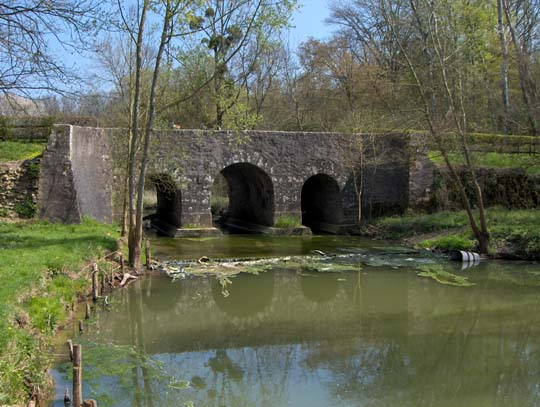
(18, 188)
(81, 164)
(77, 176)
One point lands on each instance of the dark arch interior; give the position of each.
(250, 195)
(321, 202)
(169, 200)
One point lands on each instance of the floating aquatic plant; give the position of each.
(437, 273)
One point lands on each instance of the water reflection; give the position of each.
(319, 291)
(243, 297)
(376, 337)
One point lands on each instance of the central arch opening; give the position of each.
(321, 203)
(249, 199)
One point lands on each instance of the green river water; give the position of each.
(359, 329)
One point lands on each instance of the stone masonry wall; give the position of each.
(18, 188)
(82, 164)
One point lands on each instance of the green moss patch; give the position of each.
(287, 221)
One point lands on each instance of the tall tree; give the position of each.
(171, 15)
(237, 33)
(439, 49)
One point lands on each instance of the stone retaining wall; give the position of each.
(19, 188)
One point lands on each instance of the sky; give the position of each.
(308, 21)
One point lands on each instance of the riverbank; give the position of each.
(43, 272)
(514, 233)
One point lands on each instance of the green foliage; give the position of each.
(20, 150)
(219, 203)
(32, 170)
(287, 221)
(39, 270)
(26, 209)
(514, 233)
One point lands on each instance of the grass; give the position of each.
(450, 242)
(20, 150)
(529, 162)
(395, 228)
(40, 267)
(287, 221)
(514, 233)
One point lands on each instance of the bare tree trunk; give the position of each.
(165, 37)
(523, 69)
(134, 238)
(504, 68)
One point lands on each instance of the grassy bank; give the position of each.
(40, 270)
(530, 163)
(20, 150)
(514, 233)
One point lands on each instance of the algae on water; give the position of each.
(437, 273)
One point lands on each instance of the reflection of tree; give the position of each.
(445, 359)
(457, 346)
(222, 363)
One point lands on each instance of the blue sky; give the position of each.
(308, 21)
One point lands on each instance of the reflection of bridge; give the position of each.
(313, 176)
(268, 309)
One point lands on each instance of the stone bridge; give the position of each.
(313, 177)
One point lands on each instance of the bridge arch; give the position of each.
(250, 193)
(321, 202)
(169, 199)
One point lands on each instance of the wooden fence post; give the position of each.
(70, 349)
(77, 375)
(67, 399)
(95, 285)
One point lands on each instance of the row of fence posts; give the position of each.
(75, 351)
